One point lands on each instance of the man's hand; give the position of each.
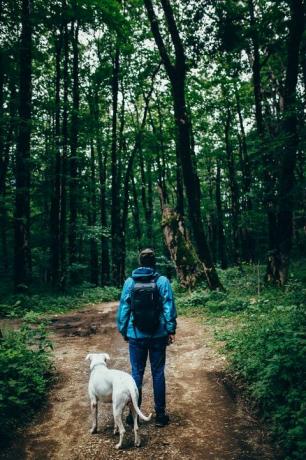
(171, 339)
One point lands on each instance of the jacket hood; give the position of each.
(143, 272)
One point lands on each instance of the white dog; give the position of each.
(118, 387)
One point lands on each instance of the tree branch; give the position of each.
(158, 38)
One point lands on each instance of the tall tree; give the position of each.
(267, 161)
(55, 217)
(115, 224)
(177, 75)
(22, 263)
(73, 161)
(92, 218)
(64, 169)
(233, 185)
(290, 145)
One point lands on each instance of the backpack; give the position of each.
(146, 304)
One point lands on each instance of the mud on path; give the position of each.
(206, 422)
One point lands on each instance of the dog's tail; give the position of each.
(135, 404)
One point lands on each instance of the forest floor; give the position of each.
(208, 421)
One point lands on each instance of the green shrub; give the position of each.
(25, 375)
(19, 304)
(269, 353)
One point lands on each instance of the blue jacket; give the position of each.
(125, 316)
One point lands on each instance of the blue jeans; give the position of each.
(156, 348)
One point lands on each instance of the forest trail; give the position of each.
(206, 421)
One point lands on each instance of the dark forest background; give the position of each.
(104, 112)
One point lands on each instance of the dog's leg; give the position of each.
(137, 437)
(115, 429)
(118, 421)
(117, 411)
(94, 413)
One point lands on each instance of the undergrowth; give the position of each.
(25, 376)
(25, 363)
(263, 332)
(17, 305)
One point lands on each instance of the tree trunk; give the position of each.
(115, 210)
(55, 213)
(220, 226)
(268, 178)
(64, 161)
(22, 263)
(176, 74)
(102, 161)
(4, 160)
(303, 59)
(162, 151)
(188, 267)
(143, 188)
(192, 184)
(233, 190)
(94, 264)
(211, 215)
(247, 250)
(74, 179)
(150, 203)
(291, 141)
(135, 210)
(147, 195)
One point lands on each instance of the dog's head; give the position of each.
(97, 358)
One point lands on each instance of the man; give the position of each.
(147, 330)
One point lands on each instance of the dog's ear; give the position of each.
(107, 357)
(88, 357)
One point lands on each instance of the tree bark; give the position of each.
(102, 162)
(4, 163)
(188, 267)
(220, 225)
(94, 263)
(233, 190)
(177, 74)
(162, 150)
(291, 141)
(115, 210)
(4, 160)
(247, 240)
(22, 261)
(136, 215)
(64, 163)
(268, 178)
(73, 161)
(55, 213)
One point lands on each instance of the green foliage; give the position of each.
(269, 354)
(18, 305)
(263, 329)
(25, 375)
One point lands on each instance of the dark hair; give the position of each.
(147, 258)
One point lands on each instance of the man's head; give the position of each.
(147, 258)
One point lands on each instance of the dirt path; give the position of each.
(206, 423)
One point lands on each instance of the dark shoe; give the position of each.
(162, 420)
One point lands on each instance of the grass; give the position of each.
(262, 330)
